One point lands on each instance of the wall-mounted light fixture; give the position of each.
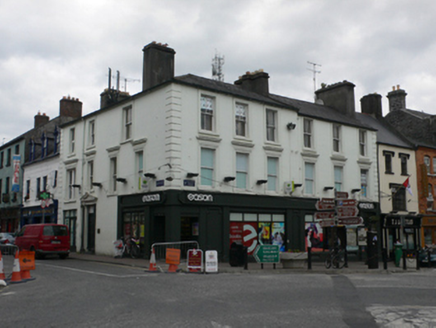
(228, 179)
(150, 175)
(259, 182)
(191, 175)
(122, 180)
(167, 164)
(328, 188)
(76, 186)
(353, 191)
(291, 126)
(97, 184)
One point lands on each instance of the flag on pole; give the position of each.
(406, 185)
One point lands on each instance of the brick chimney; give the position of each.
(109, 97)
(41, 119)
(339, 96)
(397, 99)
(372, 104)
(158, 64)
(256, 82)
(70, 107)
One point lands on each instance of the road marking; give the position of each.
(8, 293)
(100, 273)
(397, 287)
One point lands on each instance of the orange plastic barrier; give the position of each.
(173, 259)
(27, 263)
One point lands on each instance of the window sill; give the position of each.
(209, 137)
(309, 152)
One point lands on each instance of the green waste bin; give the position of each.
(398, 253)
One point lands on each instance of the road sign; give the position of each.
(327, 223)
(211, 258)
(195, 260)
(267, 254)
(341, 195)
(344, 211)
(352, 220)
(324, 215)
(325, 204)
(347, 202)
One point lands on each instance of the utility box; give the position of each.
(398, 252)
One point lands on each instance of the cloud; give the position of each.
(55, 48)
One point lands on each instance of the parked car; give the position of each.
(44, 239)
(6, 238)
(424, 256)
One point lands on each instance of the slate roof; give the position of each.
(386, 133)
(303, 108)
(418, 127)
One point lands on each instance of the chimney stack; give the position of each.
(256, 81)
(372, 104)
(158, 64)
(41, 119)
(339, 96)
(70, 107)
(397, 99)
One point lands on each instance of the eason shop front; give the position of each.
(215, 220)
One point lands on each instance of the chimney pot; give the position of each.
(158, 65)
(70, 107)
(339, 96)
(255, 82)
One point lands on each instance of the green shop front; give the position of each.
(215, 220)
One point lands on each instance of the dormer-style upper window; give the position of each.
(241, 119)
(271, 125)
(207, 113)
(336, 138)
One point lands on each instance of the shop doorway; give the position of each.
(214, 231)
(189, 229)
(158, 229)
(134, 227)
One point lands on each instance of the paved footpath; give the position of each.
(252, 267)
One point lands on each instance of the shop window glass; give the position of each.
(252, 229)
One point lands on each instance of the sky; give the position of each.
(55, 48)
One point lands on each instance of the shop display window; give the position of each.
(253, 229)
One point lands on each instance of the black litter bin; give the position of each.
(237, 255)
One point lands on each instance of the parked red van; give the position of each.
(44, 239)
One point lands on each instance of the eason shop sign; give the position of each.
(200, 197)
(151, 198)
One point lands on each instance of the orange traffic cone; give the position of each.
(16, 272)
(152, 266)
(2, 272)
(25, 275)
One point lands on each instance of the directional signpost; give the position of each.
(327, 223)
(324, 215)
(325, 204)
(353, 220)
(267, 254)
(344, 211)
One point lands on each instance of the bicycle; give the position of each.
(335, 258)
(127, 249)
